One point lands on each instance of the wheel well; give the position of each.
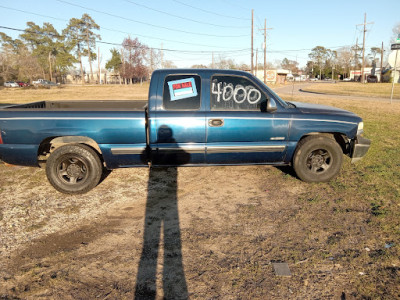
(52, 143)
(340, 138)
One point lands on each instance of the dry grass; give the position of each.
(72, 92)
(382, 90)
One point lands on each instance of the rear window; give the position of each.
(182, 92)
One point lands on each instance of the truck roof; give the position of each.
(202, 71)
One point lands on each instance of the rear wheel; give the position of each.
(317, 159)
(74, 169)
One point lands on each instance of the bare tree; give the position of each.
(396, 33)
(345, 60)
(134, 57)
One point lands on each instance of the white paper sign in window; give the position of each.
(182, 89)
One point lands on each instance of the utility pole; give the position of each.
(212, 61)
(363, 55)
(123, 66)
(51, 72)
(252, 30)
(161, 55)
(98, 63)
(256, 62)
(151, 62)
(382, 62)
(356, 60)
(265, 49)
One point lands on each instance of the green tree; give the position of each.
(115, 63)
(8, 57)
(48, 46)
(74, 41)
(81, 37)
(319, 56)
(88, 25)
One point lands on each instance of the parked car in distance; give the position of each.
(11, 84)
(314, 79)
(36, 82)
(22, 84)
(45, 83)
(347, 79)
(372, 79)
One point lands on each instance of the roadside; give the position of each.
(71, 92)
(378, 92)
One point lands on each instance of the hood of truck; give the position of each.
(308, 108)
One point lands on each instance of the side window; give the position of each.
(182, 92)
(235, 93)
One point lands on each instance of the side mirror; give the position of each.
(271, 105)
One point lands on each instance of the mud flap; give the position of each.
(360, 147)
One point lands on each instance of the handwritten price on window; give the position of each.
(238, 93)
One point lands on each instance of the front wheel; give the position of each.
(317, 159)
(74, 169)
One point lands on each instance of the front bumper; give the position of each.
(359, 147)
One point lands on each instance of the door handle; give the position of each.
(216, 122)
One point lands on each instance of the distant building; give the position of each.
(356, 74)
(278, 76)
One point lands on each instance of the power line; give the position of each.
(119, 44)
(183, 51)
(211, 12)
(148, 24)
(32, 13)
(116, 30)
(183, 18)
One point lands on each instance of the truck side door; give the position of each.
(239, 130)
(178, 129)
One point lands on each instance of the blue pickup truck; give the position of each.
(192, 118)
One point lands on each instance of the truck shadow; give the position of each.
(287, 170)
(162, 234)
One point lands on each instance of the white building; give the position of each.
(356, 74)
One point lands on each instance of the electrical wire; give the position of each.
(119, 31)
(183, 18)
(210, 12)
(120, 44)
(149, 24)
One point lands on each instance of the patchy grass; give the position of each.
(370, 189)
(382, 90)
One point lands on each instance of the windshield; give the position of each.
(272, 93)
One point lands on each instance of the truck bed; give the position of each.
(92, 105)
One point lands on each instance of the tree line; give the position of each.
(43, 52)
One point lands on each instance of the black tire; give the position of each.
(317, 159)
(74, 169)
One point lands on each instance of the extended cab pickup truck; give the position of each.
(192, 118)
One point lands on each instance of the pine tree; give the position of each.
(79, 34)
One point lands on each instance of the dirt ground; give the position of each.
(189, 232)
(198, 233)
